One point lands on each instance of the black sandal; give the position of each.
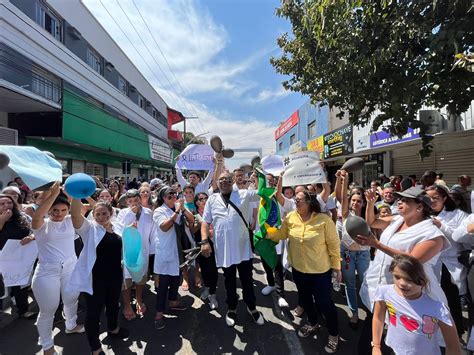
(121, 334)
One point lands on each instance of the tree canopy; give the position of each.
(392, 57)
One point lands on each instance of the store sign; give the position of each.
(159, 150)
(382, 138)
(338, 142)
(316, 145)
(361, 143)
(287, 125)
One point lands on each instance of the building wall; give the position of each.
(307, 114)
(25, 36)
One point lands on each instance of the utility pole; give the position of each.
(184, 127)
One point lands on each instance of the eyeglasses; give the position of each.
(300, 200)
(202, 199)
(225, 180)
(171, 196)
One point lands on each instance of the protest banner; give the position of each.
(303, 168)
(17, 261)
(196, 157)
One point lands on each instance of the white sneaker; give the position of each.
(282, 303)
(205, 293)
(267, 290)
(213, 302)
(256, 316)
(78, 329)
(230, 318)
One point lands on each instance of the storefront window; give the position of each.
(95, 169)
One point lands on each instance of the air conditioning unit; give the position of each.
(434, 121)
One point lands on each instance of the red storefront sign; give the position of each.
(287, 125)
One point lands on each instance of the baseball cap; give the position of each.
(132, 193)
(12, 189)
(416, 193)
(154, 182)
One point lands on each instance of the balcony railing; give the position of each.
(24, 74)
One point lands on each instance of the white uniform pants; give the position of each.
(49, 283)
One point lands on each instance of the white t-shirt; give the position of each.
(55, 241)
(412, 324)
(378, 272)
(166, 246)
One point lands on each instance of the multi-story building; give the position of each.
(67, 87)
(320, 129)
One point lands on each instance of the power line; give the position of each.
(131, 42)
(166, 60)
(150, 53)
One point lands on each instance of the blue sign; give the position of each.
(382, 138)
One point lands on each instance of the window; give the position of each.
(47, 19)
(154, 113)
(94, 60)
(141, 101)
(293, 139)
(45, 84)
(312, 129)
(123, 85)
(280, 146)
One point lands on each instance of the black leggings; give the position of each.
(167, 290)
(106, 292)
(275, 277)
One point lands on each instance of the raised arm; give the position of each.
(218, 169)
(208, 179)
(48, 199)
(181, 180)
(372, 221)
(76, 213)
(345, 199)
(279, 190)
(338, 187)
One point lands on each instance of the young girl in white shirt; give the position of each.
(413, 317)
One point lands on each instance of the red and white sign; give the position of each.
(287, 125)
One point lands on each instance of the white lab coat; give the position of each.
(91, 234)
(231, 238)
(378, 271)
(145, 227)
(449, 257)
(461, 235)
(201, 187)
(166, 252)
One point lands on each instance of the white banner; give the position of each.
(159, 150)
(196, 157)
(17, 261)
(303, 168)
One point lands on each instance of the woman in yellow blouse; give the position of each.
(314, 254)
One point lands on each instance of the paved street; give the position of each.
(195, 331)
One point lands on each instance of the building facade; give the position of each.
(68, 88)
(383, 153)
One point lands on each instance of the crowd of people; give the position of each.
(412, 272)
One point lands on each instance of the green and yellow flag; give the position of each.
(268, 216)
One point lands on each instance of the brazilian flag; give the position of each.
(268, 216)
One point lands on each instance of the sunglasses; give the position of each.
(202, 199)
(171, 196)
(225, 180)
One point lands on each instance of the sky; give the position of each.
(209, 59)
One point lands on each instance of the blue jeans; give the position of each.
(352, 261)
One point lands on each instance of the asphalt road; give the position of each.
(196, 330)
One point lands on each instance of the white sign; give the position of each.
(273, 164)
(303, 168)
(196, 157)
(361, 143)
(159, 150)
(296, 147)
(17, 261)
